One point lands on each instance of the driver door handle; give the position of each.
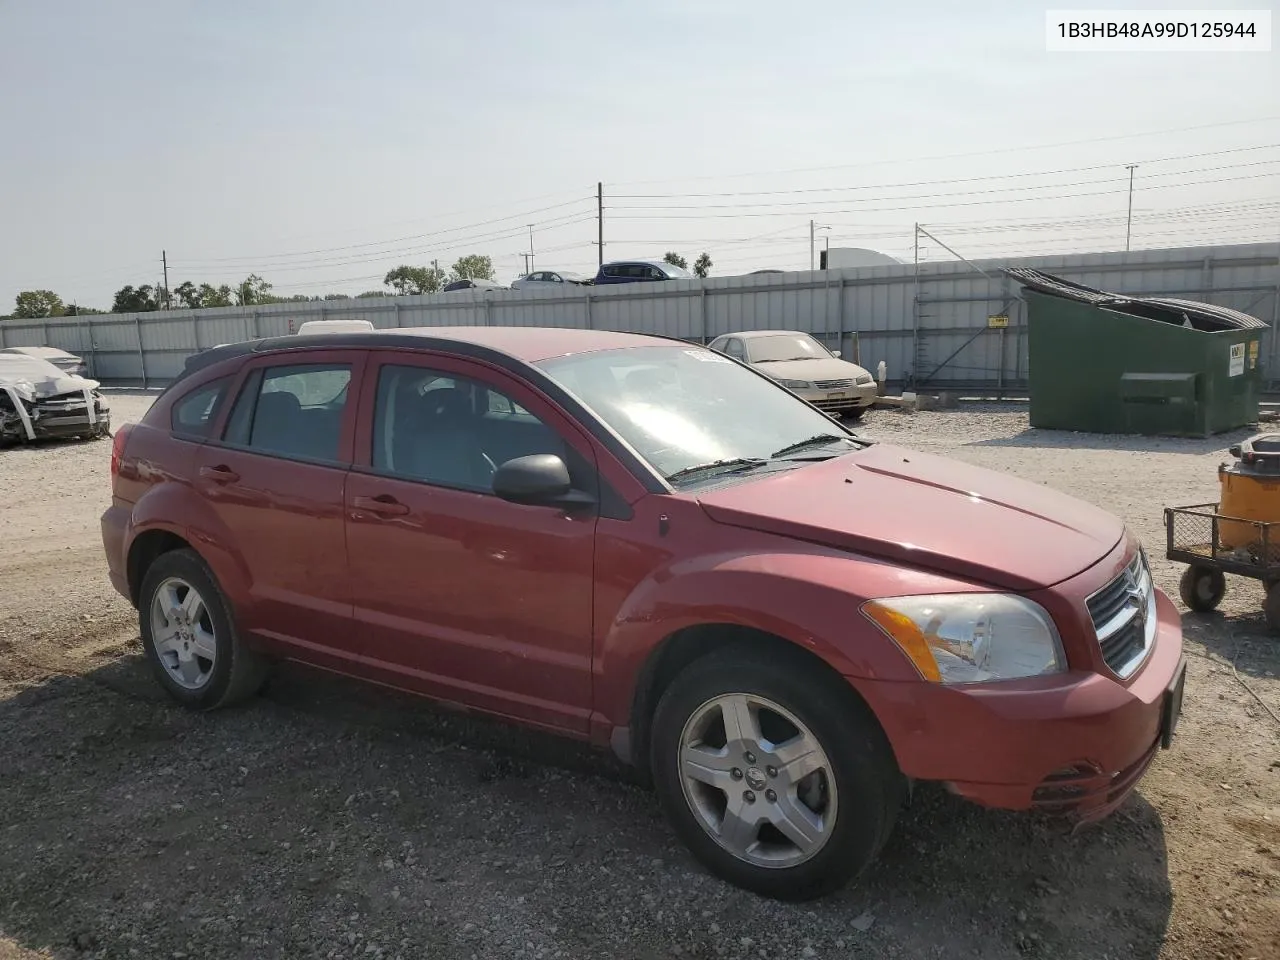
(219, 474)
(384, 505)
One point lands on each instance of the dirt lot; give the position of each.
(326, 819)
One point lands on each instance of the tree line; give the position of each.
(404, 280)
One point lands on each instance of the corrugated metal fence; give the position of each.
(931, 329)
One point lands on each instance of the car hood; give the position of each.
(818, 368)
(928, 512)
(36, 379)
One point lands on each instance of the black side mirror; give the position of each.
(538, 480)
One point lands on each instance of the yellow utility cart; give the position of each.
(1239, 534)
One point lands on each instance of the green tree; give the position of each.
(211, 296)
(37, 304)
(336, 296)
(135, 300)
(702, 266)
(253, 289)
(371, 293)
(473, 266)
(406, 280)
(188, 294)
(675, 260)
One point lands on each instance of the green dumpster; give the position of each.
(1106, 363)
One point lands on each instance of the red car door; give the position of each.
(274, 478)
(461, 595)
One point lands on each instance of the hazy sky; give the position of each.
(321, 143)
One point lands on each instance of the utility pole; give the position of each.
(527, 258)
(1128, 228)
(600, 223)
(529, 265)
(810, 244)
(164, 260)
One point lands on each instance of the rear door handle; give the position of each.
(384, 505)
(219, 474)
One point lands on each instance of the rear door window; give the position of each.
(193, 415)
(292, 411)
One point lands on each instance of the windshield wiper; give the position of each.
(732, 465)
(821, 440)
(786, 359)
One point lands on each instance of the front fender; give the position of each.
(807, 597)
(201, 527)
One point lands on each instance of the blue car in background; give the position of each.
(639, 271)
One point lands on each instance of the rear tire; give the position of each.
(190, 637)
(802, 801)
(1202, 588)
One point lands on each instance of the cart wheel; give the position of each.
(1202, 588)
(1271, 608)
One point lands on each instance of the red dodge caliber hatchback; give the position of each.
(648, 545)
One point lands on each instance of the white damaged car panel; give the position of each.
(38, 400)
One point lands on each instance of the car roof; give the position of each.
(524, 344)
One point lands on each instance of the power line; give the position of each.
(451, 243)
(970, 203)
(943, 182)
(811, 204)
(378, 243)
(960, 156)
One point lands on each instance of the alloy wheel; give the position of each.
(757, 780)
(182, 633)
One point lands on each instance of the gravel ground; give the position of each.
(327, 819)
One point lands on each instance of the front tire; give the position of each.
(190, 637)
(773, 774)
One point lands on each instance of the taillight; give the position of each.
(117, 447)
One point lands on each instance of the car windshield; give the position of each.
(674, 271)
(683, 407)
(785, 346)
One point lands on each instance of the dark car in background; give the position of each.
(640, 271)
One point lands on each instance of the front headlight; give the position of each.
(971, 637)
(796, 384)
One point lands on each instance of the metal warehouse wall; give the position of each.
(930, 330)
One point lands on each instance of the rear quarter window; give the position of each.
(194, 414)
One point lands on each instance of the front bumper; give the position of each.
(856, 396)
(1075, 743)
(68, 415)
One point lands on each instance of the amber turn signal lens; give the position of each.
(903, 631)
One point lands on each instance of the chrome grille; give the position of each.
(832, 384)
(1124, 617)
